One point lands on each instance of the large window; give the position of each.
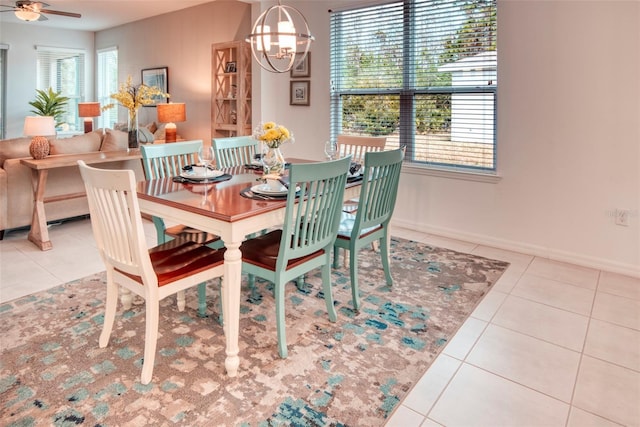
(421, 72)
(107, 83)
(63, 71)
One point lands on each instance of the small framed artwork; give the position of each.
(230, 67)
(300, 93)
(158, 77)
(302, 68)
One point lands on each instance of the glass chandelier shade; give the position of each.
(279, 51)
(27, 15)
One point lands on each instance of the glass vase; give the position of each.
(273, 161)
(132, 129)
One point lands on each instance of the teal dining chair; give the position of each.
(166, 161)
(234, 151)
(304, 243)
(370, 223)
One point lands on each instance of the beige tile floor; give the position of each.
(552, 344)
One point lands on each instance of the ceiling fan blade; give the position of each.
(58, 12)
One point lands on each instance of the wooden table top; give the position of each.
(221, 201)
(94, 157)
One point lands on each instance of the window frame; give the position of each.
(410, 91)
(107, 84)
(51, 59)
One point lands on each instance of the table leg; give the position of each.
(39, 234)
(231, 304)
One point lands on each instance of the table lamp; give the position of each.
(88, 110)
(38, 127)
(170, 113)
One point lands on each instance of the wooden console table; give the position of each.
(39, 233)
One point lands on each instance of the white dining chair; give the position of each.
(358, 146)
(154, 274)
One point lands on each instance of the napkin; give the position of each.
(355, 169)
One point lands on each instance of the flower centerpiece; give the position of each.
(272, 137)
(132, 98)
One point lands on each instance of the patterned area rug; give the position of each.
(352, 372)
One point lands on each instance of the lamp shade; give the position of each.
(88, 109)
(39, 126)
(172, 112)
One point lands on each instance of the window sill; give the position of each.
(451, 173)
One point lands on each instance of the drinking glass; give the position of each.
(331, 149)
(205, 155)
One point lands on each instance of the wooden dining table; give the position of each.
(220, 209)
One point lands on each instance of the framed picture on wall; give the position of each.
(299, 92)
(302, 68)
(158, 77)
(230, 67)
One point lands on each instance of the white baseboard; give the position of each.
(535, 250)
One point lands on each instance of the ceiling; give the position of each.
(101, 14)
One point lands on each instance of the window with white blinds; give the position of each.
(107, 83)
(63, 70)
(423, 73)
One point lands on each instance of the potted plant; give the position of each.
(50, 103)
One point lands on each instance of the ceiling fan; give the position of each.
(28, 10)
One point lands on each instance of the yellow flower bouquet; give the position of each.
(272, 134)
(133, 97)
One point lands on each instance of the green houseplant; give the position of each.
(50, 103)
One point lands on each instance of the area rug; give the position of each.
(350, 373)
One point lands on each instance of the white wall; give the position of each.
(21, 71)
(181, 41)
(568, 135)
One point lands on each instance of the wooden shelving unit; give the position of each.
(231, 89)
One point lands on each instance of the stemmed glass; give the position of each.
(205, 155)
(331, 149)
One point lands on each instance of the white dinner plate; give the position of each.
(266, 190)
(210, 174)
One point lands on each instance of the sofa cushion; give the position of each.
(14, 148)
(153, 127)
(115, 140)
(145, 136)
(160, 132)
(85, 143)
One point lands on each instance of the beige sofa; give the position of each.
(16, 194)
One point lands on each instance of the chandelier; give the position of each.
(280, 38)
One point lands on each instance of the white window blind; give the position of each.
(107, 83)
(63, 70)
(423, 73)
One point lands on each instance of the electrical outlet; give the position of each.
(622, 217)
